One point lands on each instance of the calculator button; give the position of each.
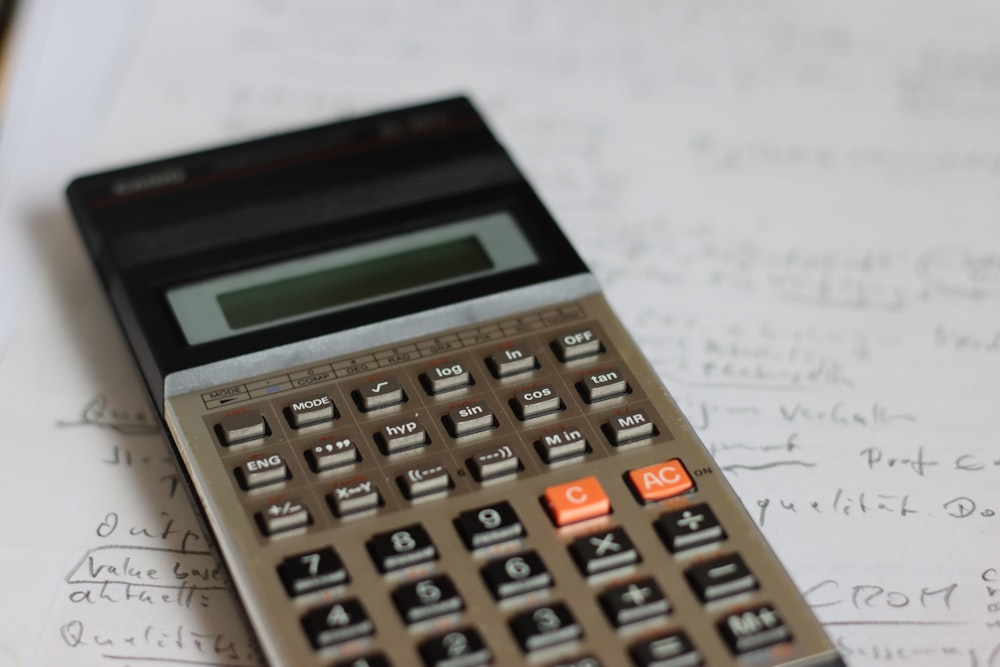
(458, 648)
(561, 445)
(577, 345)
(604, 551)
(353, 497)
(262, 470)
(545, 627)
(378, 394)
(512, 576)
(489, 525)
(471, 418)
(752, 629)
(282, 516)
(628, 427)
(446, 376)
(673, 650)
(634, 602)
(660, 480)
(690, 527)
(720, 578)
(602, 385)
(585, 661)
(426, 599)
(332, 454)
(337, 623)
(425, 480)
(494, 462)
(376, 660)
(312, 571)
(242, 427)
(401, 548)
(536, 401)
(311, 410)
(511, 361)
(400, 436)
(575, 501)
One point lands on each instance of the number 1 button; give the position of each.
(576, 501)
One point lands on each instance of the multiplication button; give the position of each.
(602, 552)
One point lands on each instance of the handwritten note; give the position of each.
(793, 208)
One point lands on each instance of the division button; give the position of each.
(494, 462)
(577, 345)
(602, 552)
(603, 384)
(634, 602)
(400, 436)
(470, 418)
(282, 516)
(354, 497)
(660, 480)
(337, 623)
(380, 393)
(752, 629)
(311, 410)
(312, 571)
(459, 648)
(721, 577)
(331, 454)
(628, 427)
(673, 650)
(242, 427)
(545, 627)
(575, 501)
(561, 445)
(446, 376)
(536, 401)
(426, 599)
(401, 548)
(690, 527)
(262, 470)
(512, 576)
(511, 361)
(489, 525)
(425, 480)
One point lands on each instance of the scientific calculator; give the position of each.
(414, 428)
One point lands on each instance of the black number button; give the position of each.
(401, 548)
(634, 602)
(673, 650)
(376, 660)
(545, 627)
(690, 527)
(458, 648)
(337, 623)
(751, 629)
(601, 552)
(516, 575)
(489, 525)
(426, 599)
(312, 571)
(721, 577)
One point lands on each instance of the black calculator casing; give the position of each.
(460, 459)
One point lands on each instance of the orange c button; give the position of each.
(661, 480)
(575, 501)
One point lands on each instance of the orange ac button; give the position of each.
(575, 501)
(661, 480)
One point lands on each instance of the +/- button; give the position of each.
(284, 515)
(576, 501)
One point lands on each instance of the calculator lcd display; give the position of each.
(230, 304)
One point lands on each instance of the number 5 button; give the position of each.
(575, 501)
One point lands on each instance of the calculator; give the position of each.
(413, 427)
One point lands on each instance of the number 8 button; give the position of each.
(401, 548)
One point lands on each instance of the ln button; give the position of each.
(576, 501)
(662, 480)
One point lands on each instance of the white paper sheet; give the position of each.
(794, 208)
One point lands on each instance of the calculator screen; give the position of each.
(321, 283)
